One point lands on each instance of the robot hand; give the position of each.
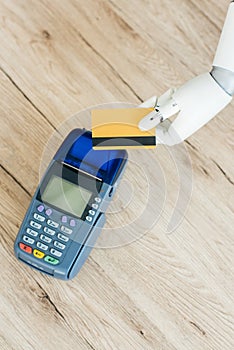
(198, 100)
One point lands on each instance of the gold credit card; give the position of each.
(118, 129)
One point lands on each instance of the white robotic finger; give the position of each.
(151, 102)
(164, 108)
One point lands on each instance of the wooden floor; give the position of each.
(163, 291)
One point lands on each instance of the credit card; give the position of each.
(118, 129)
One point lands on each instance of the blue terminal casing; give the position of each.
(58, 242)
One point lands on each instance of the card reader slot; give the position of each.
(87, 246)
(82, 171)
(77, 150)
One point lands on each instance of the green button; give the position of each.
(51, 260)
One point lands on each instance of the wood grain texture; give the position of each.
(162, 291)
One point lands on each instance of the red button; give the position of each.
(25, 248)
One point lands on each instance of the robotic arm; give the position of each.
(198, 100)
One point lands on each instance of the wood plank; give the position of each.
(161, 291)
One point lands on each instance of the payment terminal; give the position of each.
(67, 211)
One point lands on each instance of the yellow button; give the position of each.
(38, 254)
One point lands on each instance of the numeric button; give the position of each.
(63, 238)
(31, 232)
(55, 252)
(45, 238)
(42, 246)
(39, 217)
(28, 240)
(59, 245)
(66, 230)
(35, 224)
(52, 223)
(49, 231)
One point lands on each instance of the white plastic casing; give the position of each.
(199, 100)
(151, 102)
(224, 57)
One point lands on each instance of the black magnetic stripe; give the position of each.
(124, 141)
